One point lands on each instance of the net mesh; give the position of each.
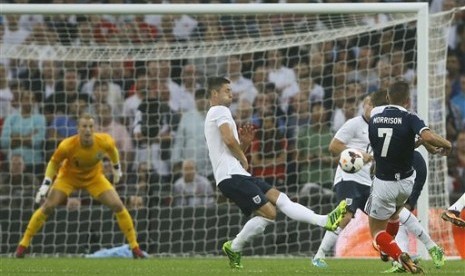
(206, 36)
(296, 78)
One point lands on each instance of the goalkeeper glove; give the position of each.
(117, 173)
(43, 190)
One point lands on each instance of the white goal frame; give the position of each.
(422, 25)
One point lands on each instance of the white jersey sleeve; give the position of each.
(377, 110)
(354, 134)
(223, 162)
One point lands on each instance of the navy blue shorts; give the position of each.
(354, 193)
(247, 192)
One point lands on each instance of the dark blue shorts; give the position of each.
(354, 193)
(247, 192)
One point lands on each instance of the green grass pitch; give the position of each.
(206, 266)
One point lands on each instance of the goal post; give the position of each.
(338, 34)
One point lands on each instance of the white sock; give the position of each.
(402, 238)
(252, 228)
(327, 244)
(413, 226)
(459, 204)
(298, 212)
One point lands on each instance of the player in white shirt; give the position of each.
(226, 146)
(354, 188)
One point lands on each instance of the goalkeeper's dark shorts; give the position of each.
(247, 192)
(355, 194)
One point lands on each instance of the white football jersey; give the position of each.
(377, 110)
(223, 162)
(354, 134)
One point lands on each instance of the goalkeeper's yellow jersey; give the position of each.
(84, 162)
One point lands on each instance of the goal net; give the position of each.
(297, 77)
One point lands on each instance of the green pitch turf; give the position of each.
(205, 266)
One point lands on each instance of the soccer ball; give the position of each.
(351, 160)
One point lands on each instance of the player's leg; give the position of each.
(384, 241)
(385, 203)
(252, 228)
(356, 196)
(53, 199)
(402, 237)
(327, 244)
(412, 224)
(250, 198)
(298, 212)
(101, 189)
(452, 214)
(329, 241)
(379, 212)
(409, 223)
(392, 228)
(266, 215)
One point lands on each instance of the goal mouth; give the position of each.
(329, 57)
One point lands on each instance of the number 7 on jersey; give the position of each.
(387, 134)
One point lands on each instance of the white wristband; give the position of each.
(47, 181)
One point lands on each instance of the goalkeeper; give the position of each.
(78, 161)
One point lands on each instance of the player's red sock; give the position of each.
(393, 227)
(388, 245)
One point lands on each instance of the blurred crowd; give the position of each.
(296, 98)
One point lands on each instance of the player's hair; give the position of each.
(86, 116)
(399, 92)
(215, 83)
(378, 98)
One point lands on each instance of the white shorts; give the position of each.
(387, 196)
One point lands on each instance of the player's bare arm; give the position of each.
(430, 148)
(337, 146)
(232, 144)
(431, 138)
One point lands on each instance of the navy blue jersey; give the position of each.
(392, 137)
